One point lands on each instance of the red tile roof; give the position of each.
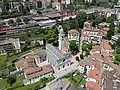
(35, 72)
(84, 35)
(96, 48)
(106, 29)
(92, 86)
(94, 74)
(106, 56)
(106, 45)
(72, 31)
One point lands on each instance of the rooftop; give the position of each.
(106, 29)
(94, 74)
(92, 86)
(96, 48)
(54, 51)
(37, 71)
(94, 59)
(72, 31)
(106, 45)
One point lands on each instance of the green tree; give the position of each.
(26, 20)
(11, 80)
(10, 21)
(117, 57)
(82, 17)
(3, 75)
(87, 53)
(84, 47)
(111, 31)
(51, 36)
(89, 46)
(73, 47)
(110, 19)
(77, 58)
(37, 44)
(118, 50)
(81, 56)
(18, 20)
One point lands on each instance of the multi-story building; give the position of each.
(91, 34)
(9, 45)
(90, 1)
(73, 35)
(91, 67)
(33, 4)
(35, 68)
(4, 5)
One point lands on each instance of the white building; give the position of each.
(91, 34)
(90, 1)
(9, 45)
(73, 35)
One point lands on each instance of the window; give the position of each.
(39, 4)
(63, 66)
(63, 60)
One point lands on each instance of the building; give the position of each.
(34, 4)
(96, 49)
(60, 57)
(73, 35)
(9, 45)
(90, 1)
(102, 1)
(91, 34)
(115, 39)
(93, 67)
(106, 47)
(33, 40)
(35, 67)
(57, 59)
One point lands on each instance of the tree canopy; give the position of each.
(11, 80)
(117, 57)
(10, 21)
(111, 31)
(73, 46)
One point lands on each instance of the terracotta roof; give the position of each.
(106, 29)
(19, 63)
(92, 86)
(72, 31)
(94, 74)
(106, 45)
(29, 62)
(106, 56)
(84, 35)
(35, 72)
(92, 29)
(92, 60)
(96, 48)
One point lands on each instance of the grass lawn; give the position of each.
(32, 86)
(18, 82)
(16, 56)
(3, 83)
(3, 58)
(77, 79)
